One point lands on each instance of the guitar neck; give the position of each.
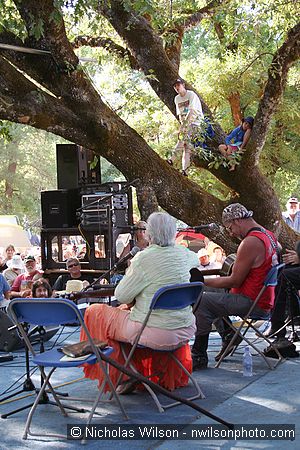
(105, 292)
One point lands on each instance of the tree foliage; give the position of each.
(241, 58)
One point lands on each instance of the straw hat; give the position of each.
(74, 286)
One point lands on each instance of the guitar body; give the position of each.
(226, 269)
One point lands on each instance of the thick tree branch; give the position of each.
(173, 47)
(283, 59)
(109, 45)
(21, 101)
(176, 33)
(207, 11)
(147, 47)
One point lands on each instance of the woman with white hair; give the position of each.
(162, 263)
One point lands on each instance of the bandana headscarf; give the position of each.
(235, 211)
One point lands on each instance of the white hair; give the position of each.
(161, 229)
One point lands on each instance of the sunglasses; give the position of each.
(72, 265)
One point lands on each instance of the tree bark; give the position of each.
(62, 100)
(235, 106)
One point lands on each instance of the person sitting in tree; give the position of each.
(237, 140)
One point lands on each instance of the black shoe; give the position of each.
(225, 350)
(199, 362)
(184, 173)
(169, 161)
(273, 332)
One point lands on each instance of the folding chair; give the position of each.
(250, 318)
(172, 297)
(291, 291)
(43, 312)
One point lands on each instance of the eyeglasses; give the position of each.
(72, 265)
(229, 228)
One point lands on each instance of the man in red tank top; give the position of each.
(256, 254)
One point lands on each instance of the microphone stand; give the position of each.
(28, 384)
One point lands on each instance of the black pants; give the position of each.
(286, 302)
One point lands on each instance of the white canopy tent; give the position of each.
(13, 234)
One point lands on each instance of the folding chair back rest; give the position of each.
(45, 311)
(176, 296)
(272, 276)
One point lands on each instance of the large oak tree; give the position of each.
(49, 90)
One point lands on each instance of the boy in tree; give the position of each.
(189, 111)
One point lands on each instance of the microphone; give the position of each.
(131, 254)
(207, 226)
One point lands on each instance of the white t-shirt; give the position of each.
(190, 102)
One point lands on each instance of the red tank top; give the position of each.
(255, 279)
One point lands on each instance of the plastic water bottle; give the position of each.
(247, 363)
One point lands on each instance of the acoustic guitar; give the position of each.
(226, 269)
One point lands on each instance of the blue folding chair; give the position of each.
(58, 311)
(250, 318)
(172, 297)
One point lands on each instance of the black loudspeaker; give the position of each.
(9, 340)
(76, 167)
(59, 208)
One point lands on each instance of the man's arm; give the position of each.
(58, 285)
(6, 289)
(251, 253)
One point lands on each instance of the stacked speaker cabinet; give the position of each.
(84, 207)
(76, 167)
(59, 208)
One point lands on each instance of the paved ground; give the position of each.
(269, 397)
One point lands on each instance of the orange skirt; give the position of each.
(110, 324)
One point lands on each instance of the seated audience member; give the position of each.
(10, 251)
(139, 238)
(140, 241)
(15, 268)
(292, 214)
(21, 286)
(288, 284)
(41, 289)
(218, 257)
(2, 263)
(4, 289)
(205, 263)
(149, 270)
(237, 139)
(256, 254)
(74, 268)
